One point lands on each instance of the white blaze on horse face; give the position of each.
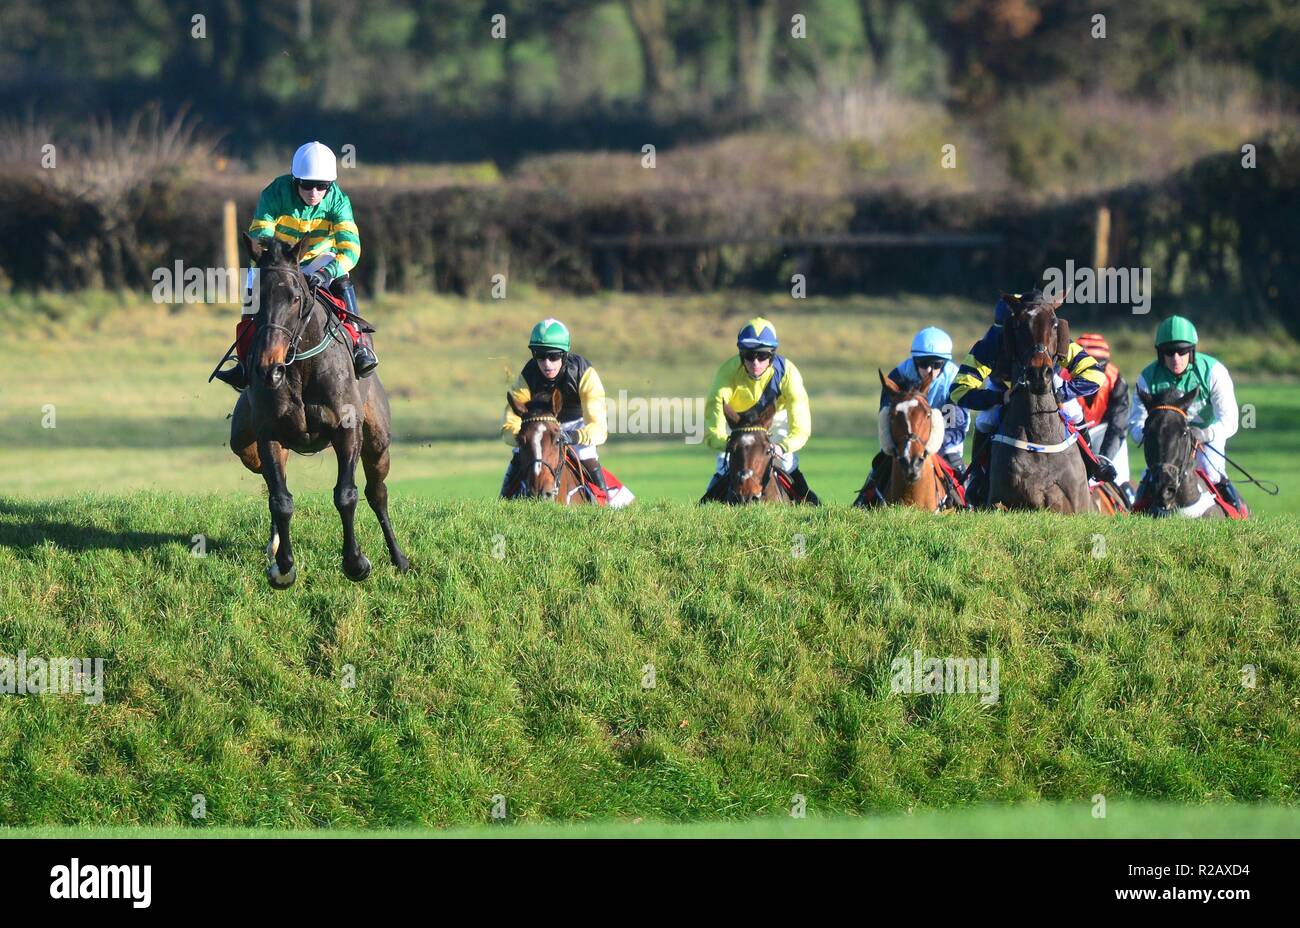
(536, 441)
(902, 410)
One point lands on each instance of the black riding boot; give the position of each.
(870, 494)
(1230, 494)
(510, 474)
(977, 475)
(596, 474)
(233, 377)
(364, 360)
(800, 490)
(717, 489)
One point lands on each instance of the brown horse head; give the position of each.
(284, 300)
(541, 444)
(1169, 448)
(910, 423)
(750, 469)
(1033, 339)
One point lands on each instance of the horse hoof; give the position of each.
(358, 571)
(281, 581)
(402, 565)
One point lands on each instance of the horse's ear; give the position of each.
(518, 408)
(928, 378)
(1062, 337)
(1185, 401)
(732, 417)
(1145, 397)
(255, 246)
(299, 249)
(1056, 304)
(891, 388)
(767, 414)
(557, 402)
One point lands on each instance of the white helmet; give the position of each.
(314, 161)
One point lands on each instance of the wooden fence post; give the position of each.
(1101, 243)
(230, 250)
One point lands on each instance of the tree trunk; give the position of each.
(755, 30)
(650, 20)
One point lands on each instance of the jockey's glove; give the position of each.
(319, 279)
(1199, 434)
(783, 459)
(1108, 473)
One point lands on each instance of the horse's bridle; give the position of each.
(561, 442)
(304, 316)
(768, 473)
(1183, 471)
(1020, 369)
(913, 437)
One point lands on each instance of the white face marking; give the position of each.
(536, 441)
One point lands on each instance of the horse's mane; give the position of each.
(749, 417)
(540, 404)
(1169, 396)
(910, 390)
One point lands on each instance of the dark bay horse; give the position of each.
(911, 433)
(303, 399)
(1170, 450)
(1033, 462)
(751, 475)
(545, 469)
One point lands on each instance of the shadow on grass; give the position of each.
(50, 522)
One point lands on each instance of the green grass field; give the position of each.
(771, 634)
(512, 661)
(1038, 820)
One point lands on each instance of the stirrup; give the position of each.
(364, 361)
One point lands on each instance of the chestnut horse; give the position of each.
(911, 432)
(546, 469)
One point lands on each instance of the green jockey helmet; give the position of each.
(1174, 330)
(549, 333)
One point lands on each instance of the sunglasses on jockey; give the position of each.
(929, 363)
(547, 354)
(1176, 352)
(761, 355)
(315, 184)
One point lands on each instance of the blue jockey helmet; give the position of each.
(757, 333)
(1002, 312)
(932, 342)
